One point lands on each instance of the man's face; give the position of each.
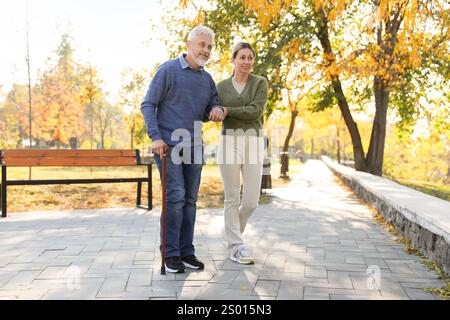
(199, 49)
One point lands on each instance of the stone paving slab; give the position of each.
(314, 241)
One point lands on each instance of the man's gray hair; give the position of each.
(201, 30)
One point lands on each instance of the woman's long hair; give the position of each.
(239, 46)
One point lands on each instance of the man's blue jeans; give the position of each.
(182, 184)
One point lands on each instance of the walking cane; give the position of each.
(163, 216)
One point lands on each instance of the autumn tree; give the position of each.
(91, 94)
(100, 113)
(355, 43)
(298, 87)
(231, 22)
(59, 100)
(396, 37)
(11, 133)
(131, 95)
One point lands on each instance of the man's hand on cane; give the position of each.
(160, 147)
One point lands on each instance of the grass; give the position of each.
(437, 190)
(93, 196)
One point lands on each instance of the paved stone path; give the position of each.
(315, 241)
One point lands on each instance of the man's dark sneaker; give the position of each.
(174, 265)
(192, 262)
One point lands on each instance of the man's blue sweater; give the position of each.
(177, 97)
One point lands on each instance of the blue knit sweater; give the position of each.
(178, 96)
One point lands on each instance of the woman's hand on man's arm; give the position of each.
(217, 114)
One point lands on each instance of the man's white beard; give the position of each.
(199, 62)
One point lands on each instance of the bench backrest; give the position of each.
(55, 158)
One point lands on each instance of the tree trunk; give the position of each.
(358, 151)
(91, 108)
(285, 152)
(375, 154)
(447, 177)
(102, 141)
(143, 141)
(29, 93)
(377, 140)
(73, 143)
(312, 149)
(338, 142)
(132, 137)
(344, 158)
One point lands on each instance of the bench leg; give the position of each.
(139, 191)
(3, 192)
(149, 187)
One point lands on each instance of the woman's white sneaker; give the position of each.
(242, 255)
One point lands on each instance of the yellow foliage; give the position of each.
(199, 18)
(292, 49)
(183, 3)
(319, 4)
(267, 10)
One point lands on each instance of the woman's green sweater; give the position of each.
(245, 110)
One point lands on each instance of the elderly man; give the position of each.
(181, 95)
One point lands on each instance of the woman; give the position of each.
(241, 147)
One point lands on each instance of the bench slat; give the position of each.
(66, 153)
(74, 181)
(55, 162)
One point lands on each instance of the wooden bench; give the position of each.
(72, 158)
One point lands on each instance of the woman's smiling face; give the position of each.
(243, 63)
